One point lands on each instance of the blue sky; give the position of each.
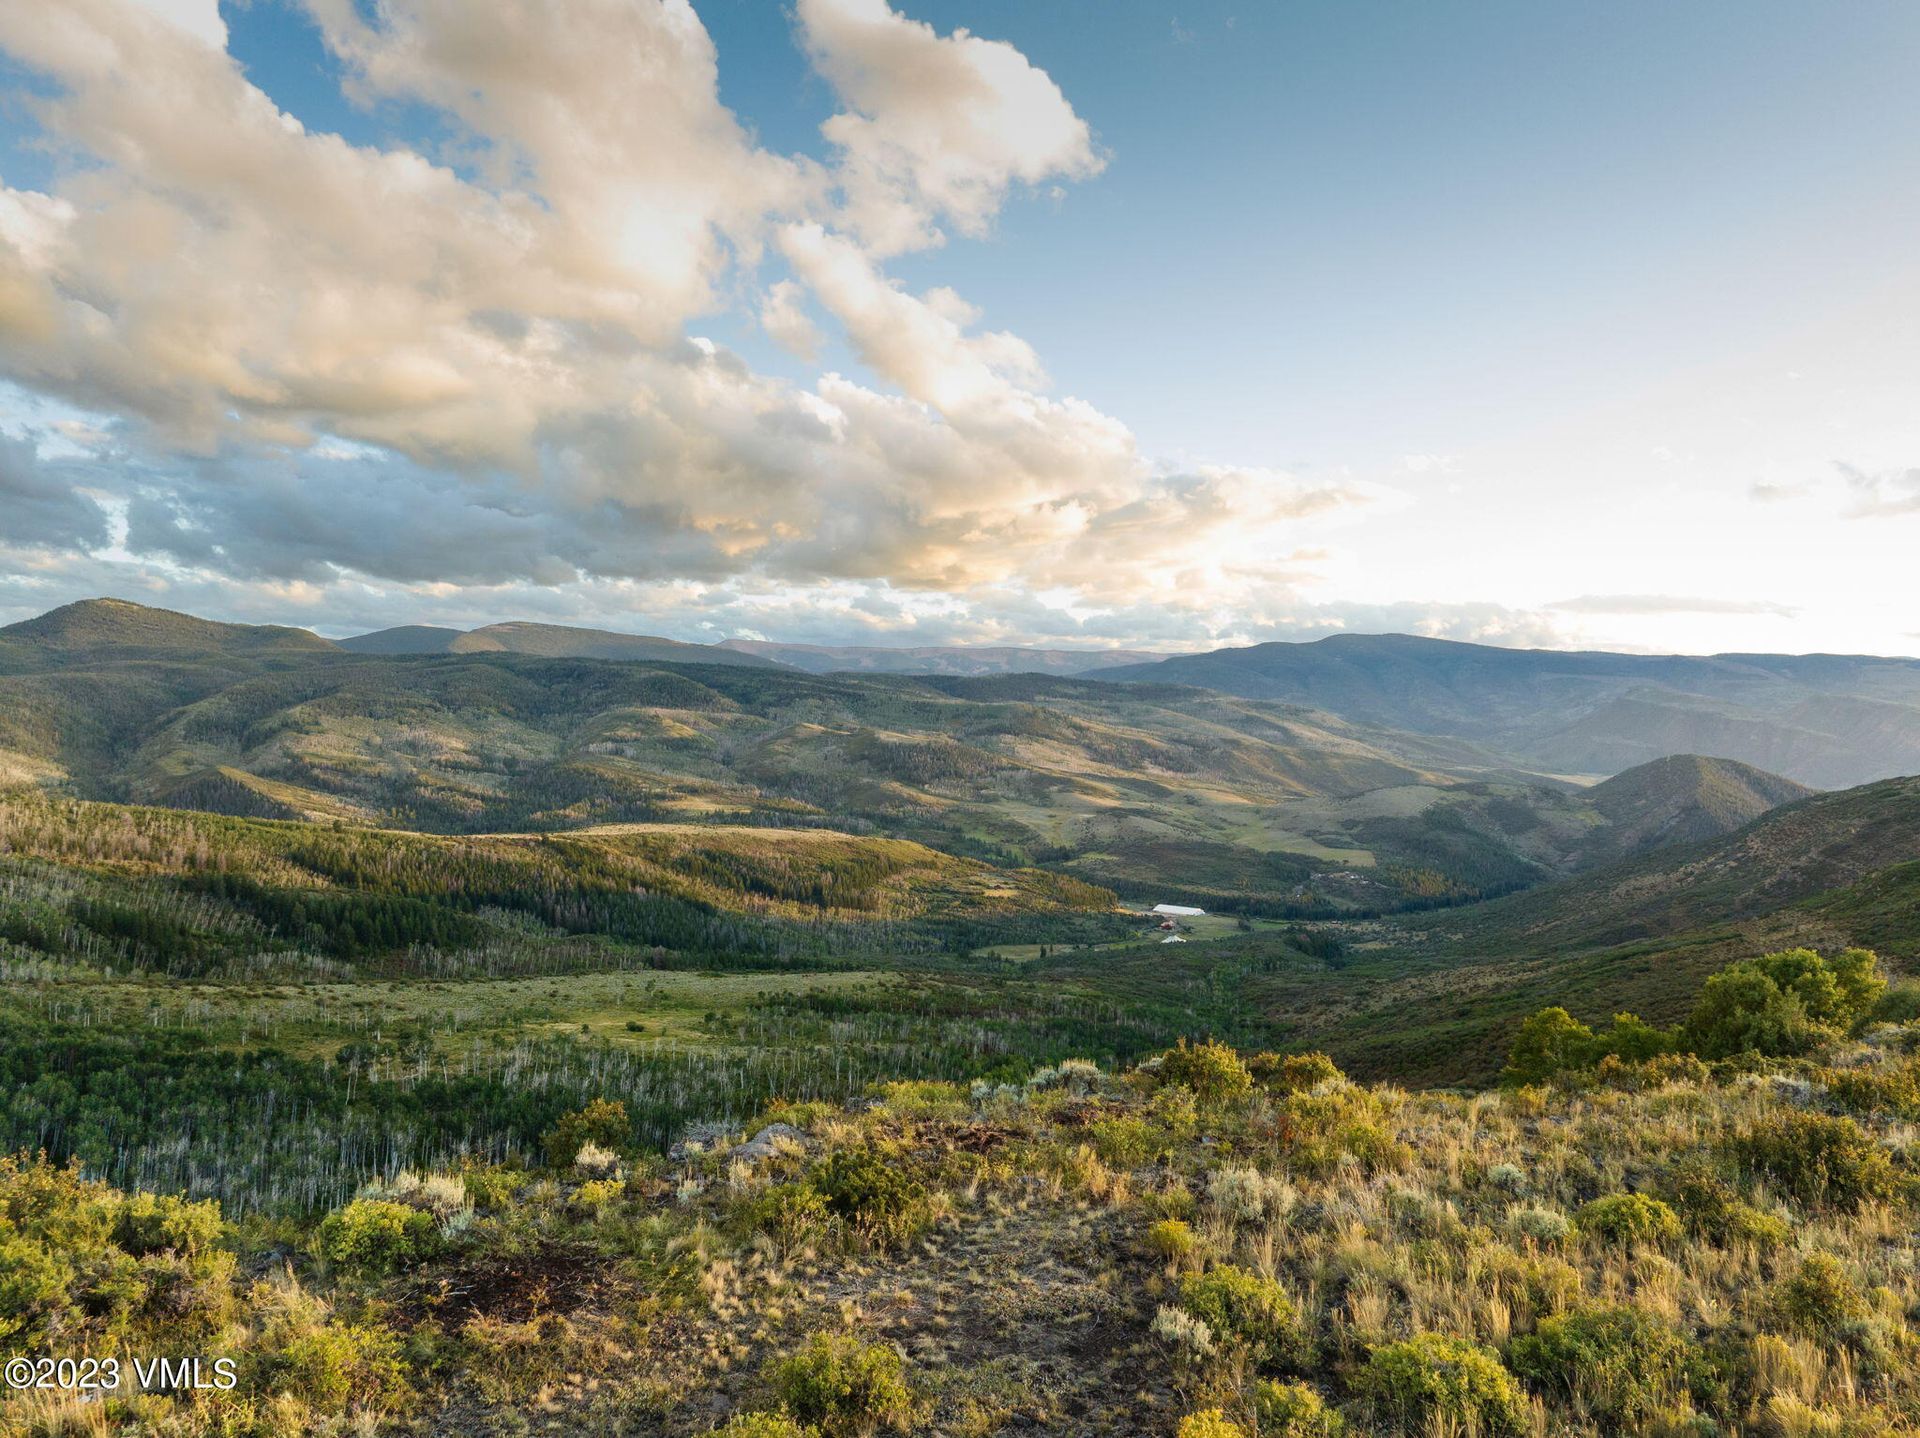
(1532, 323)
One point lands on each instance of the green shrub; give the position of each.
(1293, 1410)
(1894, 1090)
(1173, 1240)
(376, 1236)
(1293, 1073)
(1243, 1310)
(923, 1099)
(1900, 1004)
(340, 1364)
(764, 1425)
(1616, 1363)
(1712, 1210)
(1549, 1042)
(787, 1212)
(1819, 1299)
(160, 1223)
(33, 1292)
(1327, 1130)
(1820, 1161)
(1209, 1423)
(1213, 1071)
(1632, 1040)
(1622, 1218)
(1127, 1142)
(871, 1196)
(843, 1387)
(1431, 1382)
(602, 1122)
(1784, 1003)
(492, 1188)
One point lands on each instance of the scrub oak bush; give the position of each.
(1776, 1005)
(86, 1263)
(844, 1387)
(1619, 1364)
(1243, 1311)
(1820, 1161)
(1432, 1383)
(1292, 1073)
(1209, 1423)
(1212, 1070)
(876, 1201)
(1623, 1218)
(1293, 1410)
(1784, 1003)
(603, 1122)
(375, 1236)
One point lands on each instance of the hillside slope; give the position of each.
(1108, 781)
(1682, 799)
(1803, 851)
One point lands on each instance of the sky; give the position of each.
(1092, 323)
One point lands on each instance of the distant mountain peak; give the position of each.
(1685, 799)
(108, 623)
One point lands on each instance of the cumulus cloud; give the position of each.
(1667, 604)
(41, 503)
(937, 127)
(340, 369)
(783, 315)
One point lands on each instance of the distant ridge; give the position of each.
(550, 641)
(950, 659)
(404, 639)
(118, 624)
(1830, 720)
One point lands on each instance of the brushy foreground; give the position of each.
(1209, 1245)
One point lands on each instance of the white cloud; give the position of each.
(198, 18)
(317, 365)
(783, 315)
(937, 127)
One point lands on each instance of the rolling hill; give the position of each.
(1812, 850)
(1824, 720)
(1152, 790)
(549, 641)
(103, 628)
(939, 659)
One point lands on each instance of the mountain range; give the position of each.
(1149, 789)
(1824, 719)
(1828, 721)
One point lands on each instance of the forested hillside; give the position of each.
(1154, 791)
